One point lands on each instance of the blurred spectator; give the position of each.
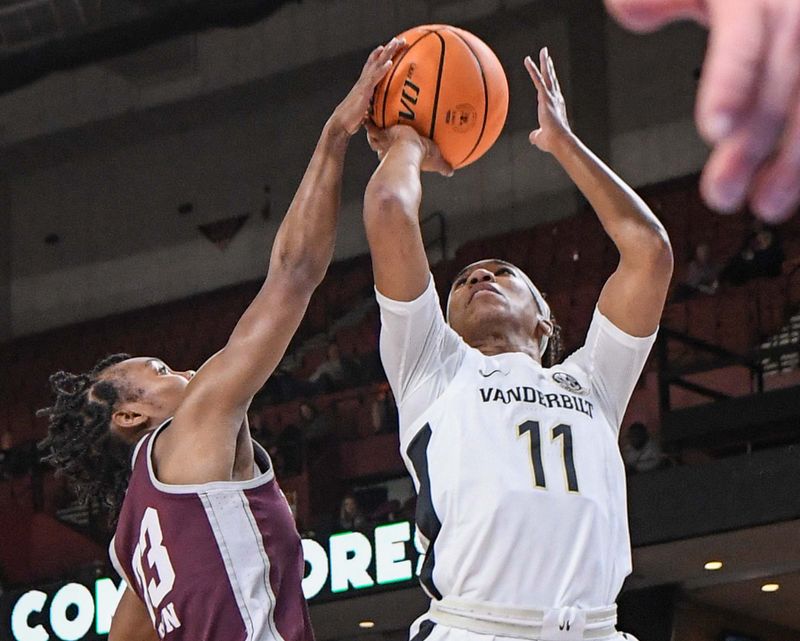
(6, 454)
(370, 367)
(314, 425)
(761, 255)
(291, 499)
(351, 518)
(16, 459)
(383, 411)
(258, 428)
(280, 387)
(289, 446)
(408, 511)
(386, 512)
(701, 275)
(278, 463)
(336, 372)
(641, 452)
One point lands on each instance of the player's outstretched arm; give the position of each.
(222, 389)
(748, 104)
(391, 210)
(633, 297)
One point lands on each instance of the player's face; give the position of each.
(155, 388)
(491, 293)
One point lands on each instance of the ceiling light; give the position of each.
(770, 587)
(366, 624)
(713, 565)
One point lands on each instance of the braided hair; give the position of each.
(79, 443)
(555, 346)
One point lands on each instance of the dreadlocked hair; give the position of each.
(555, 346)
(79, 443)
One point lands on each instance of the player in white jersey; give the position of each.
(521, 485)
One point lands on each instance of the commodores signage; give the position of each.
(351, 562)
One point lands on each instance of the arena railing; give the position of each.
(671, 374)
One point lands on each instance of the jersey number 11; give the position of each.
(532, 430)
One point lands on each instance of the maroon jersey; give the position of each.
(218, 561)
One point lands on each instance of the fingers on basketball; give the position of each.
(459, 99)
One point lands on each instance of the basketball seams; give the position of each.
(485, 95)
(461, 52)
(395, 67)
(438, 84)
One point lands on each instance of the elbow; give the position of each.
(386, 202)
(657, 250)
(301, 278)
(646, 247)
(305, 271)
(308, 275)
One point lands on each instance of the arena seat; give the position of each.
(702, 318)
(348, 338)
(347, 413)
(186, 332)
(736, 322)
(375, 456)
(771, 299)
(312, 359)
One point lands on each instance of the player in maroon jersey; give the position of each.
(204, 539)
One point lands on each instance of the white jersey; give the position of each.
(521, 485)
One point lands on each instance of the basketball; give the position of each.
(449, 85)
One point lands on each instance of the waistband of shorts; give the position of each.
(522, 623)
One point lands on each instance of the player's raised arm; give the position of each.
(633, 297)
(300, 256)
(391, 210)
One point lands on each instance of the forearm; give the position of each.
(391, 220)
(395, 188)
(626, 218)
(305, 240)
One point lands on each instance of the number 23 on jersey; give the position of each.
(157, 578)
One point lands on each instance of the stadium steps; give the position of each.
(780, 354)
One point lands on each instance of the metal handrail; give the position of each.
(669, 376)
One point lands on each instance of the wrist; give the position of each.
(412, 146)
(407, 142)
(334, 132)
(564, 143)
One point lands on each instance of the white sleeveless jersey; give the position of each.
(521, 485)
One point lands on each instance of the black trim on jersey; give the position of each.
(425, 629)
(427, 521)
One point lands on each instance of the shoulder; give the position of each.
(572, 374)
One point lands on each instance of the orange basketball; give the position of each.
(450, 86)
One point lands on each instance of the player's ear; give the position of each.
(128, 420)
(544, 327)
